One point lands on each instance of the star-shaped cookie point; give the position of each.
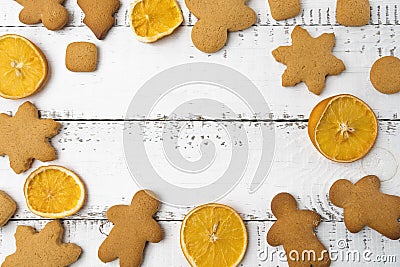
(25, 137)
(308, 60)
(44, 248)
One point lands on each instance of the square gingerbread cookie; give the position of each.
(81, 57)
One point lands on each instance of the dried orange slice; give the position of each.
(23, 67)
(343, 128)
(153, 19)
(54, 192)
(213, 235)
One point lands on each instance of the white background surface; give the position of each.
(92, 106)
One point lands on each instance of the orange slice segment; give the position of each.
(54, 192)
(23, 67)
(343, 128)
(154, 19)
(213, 235)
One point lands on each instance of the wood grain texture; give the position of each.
(91, 233)
(318, 12)
(94, 150)
(126, 64)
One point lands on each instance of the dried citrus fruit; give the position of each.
(23, 67)
(343, 128)
(213, 235)
(54, 192)
(154, 19)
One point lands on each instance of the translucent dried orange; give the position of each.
(23, 67)
(54, 192)
(343, 128)
(213, 235)
(154, 19)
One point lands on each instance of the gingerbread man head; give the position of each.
(145, 202)
(216, 19)
(283, 205)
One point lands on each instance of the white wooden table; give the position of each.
(92, 108)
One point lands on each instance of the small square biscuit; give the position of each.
(81, 57)
(7, 208)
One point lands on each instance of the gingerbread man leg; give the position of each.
(107, 251)
(130, 260)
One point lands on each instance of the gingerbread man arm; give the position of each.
(310, 217)
(155, 233)
(355, 224)
(273, 237)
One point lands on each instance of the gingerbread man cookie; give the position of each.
(308, 60)
(43, 249)
(294, 229)
(216, 19)
(51, 13)
(364, 205)
(133, 227)
(99, 15)
(25, 137)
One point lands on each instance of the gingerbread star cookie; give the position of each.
(42, 249)
(99, 15)
(25, 137)
(308, 60)
(216, 19)
(51, 13)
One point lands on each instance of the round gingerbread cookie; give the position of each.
(385, 75)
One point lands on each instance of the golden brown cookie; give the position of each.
(294, 229)
(25, 137)
(308, 60)
(133, 227)
(385, 75)
(364, 205)
(7, 208)
(99, 15)
(51, 13)
(353, 12)
(40, 249)
(81, 57)
(284, 9)
(216, 19)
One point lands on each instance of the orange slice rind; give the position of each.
(23, 67)
(213, 235)
(54, 192)
(343, 128)
(151, 20)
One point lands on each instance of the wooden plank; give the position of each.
(95, 151)
(126, 64)
(90, 234)
(313, 13)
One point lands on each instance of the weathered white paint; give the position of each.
(91, 233)
(95, 151)
(125, 64)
